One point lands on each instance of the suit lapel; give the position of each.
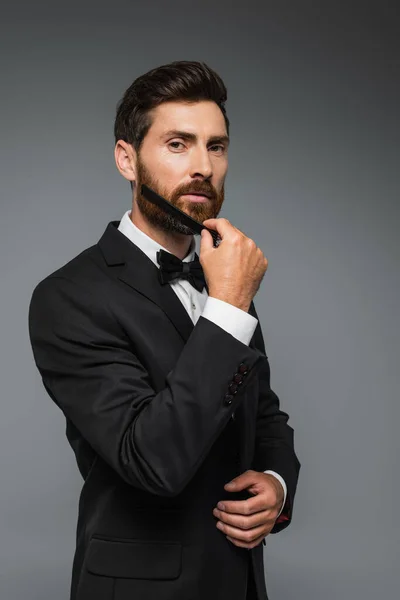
(131, 266)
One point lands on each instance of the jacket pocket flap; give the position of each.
(135, 559)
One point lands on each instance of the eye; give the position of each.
(174, 147)
(218, 148)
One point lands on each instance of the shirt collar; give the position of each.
(146, 244)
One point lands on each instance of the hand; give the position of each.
(233, 270)
(246, 522)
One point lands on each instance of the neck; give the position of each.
(176, 243)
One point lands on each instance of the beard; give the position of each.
(197, 210)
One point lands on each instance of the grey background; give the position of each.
(313, 101)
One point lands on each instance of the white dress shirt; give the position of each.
(235, 321)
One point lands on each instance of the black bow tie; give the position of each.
(172, 267)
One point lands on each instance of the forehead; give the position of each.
(203, 117)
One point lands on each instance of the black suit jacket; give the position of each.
(158, 426)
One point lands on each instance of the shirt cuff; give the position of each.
(234, 320)
(282, 481)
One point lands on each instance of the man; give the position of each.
(158, 362)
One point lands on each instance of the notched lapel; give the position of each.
(135, 269)
(145, 280)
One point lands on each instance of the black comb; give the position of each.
(172, 210)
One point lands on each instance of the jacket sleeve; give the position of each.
(154, 441)
(274, 444)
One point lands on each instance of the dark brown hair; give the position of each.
(179, 80)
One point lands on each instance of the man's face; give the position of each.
(185, 151)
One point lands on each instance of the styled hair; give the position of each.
(177, 81)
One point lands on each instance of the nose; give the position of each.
(201, 163)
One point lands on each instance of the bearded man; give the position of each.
(155, 356)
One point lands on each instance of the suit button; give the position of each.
(243, 369)
(228, 399)
(233, 388)
(238, 378)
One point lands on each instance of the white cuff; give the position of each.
(282, 481)
(234, 320)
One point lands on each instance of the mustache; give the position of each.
(194, 187)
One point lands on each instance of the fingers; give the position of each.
(206, 240)
(246, 532)
(248, 545)
(221, 225)
(244, 536)
(245, 507)
(242, 521)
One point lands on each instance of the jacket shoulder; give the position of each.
(86, 270)
(73, 292)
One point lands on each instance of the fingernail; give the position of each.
(221, 505)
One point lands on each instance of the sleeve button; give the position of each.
(243, 369)
(238, 378)
(228, 399)
(233, 388)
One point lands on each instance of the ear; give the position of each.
(125, 159)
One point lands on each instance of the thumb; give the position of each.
(206, 240)
(242, 482)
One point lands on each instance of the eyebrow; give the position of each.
(193, 137)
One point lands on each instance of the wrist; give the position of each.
(241, 303)
(280, 492)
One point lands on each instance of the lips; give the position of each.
(197, 194)
(196, 198)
